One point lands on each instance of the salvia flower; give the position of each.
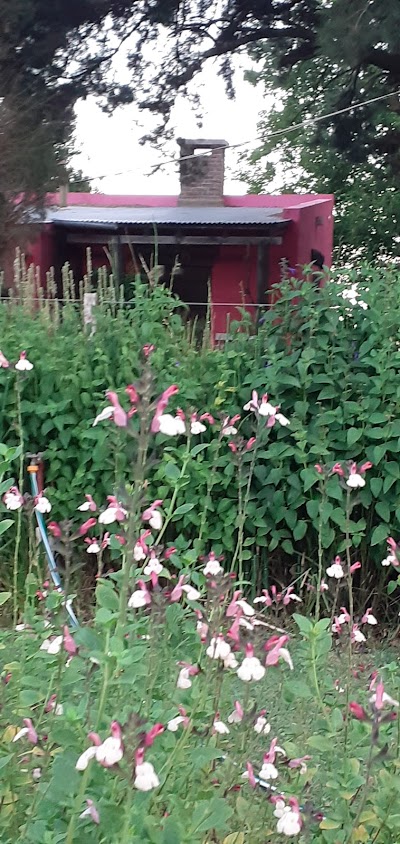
(153, 516)
(93, 546)
(87, 526)
(52, 646)
(90, 812)
(237, 715)
(218, 648)
(145, 776)
(153, 566)
(368, 617)
(114, 512)
(392, 558)
(290, 821)
(187, 671)
(213, 567)
(4, 363)
(23, 364)
(251, 667)
(106, 753)
(89, 504)
(69, 643)
(261, 726)
(219, 726)
(28, 731)
(42, 504)
(355, 479)
(336, 569)
(140, 597)
(161, 405)
(13, 499)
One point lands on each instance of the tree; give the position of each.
(53, 53)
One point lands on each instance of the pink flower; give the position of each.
(177, 591)
(239, 605)
(90, 812)
(4, 363)
(186, 672)
(153, 566)
(232, 447)
(237, 715)
(132, 393)
(319, 468)
(357, 711)
(336, 569)
(152, 734)
(147, 350)
(268, 770)
(365, 466)
(219, 726)
(68, 642)
(368, 618)
(355, 479)
(113, 513)
(300, 762)
(23, 364)
(356, 635)
(120, 417)
(290, 596)
(338, 470)
(250, 775)
(87, 525)
(111, 751)
(250, 443)
(354, 567)
(234, 631)
(264, 599)
(54, 529)
(89, 504)
(93, 545)
(228, 426)
(276, 650)
(161, 405)
(141, 550)
(28, 731)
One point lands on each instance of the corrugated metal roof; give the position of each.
(178, 216)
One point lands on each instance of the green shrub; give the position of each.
(333, 367)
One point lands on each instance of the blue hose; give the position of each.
(49, 554)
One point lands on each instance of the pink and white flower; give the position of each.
(251, 667)
(220, 727)
(187, 671)
(336, 569)
(114, 512)
(237, 715)
(42, 504)
(356, 635)
(153, 566)
(89, 504)
(161, 405)
(192, 594)
(145, 776)
(4, 363)
(261, 726)
(368, 617)
(104, 414)
(355, 479)
(106, 753)
(265, 408)
(90, 812)
(52, 646)
(23, 364)
(290, 821)
(269, 770)
(140, 597)
(93, 546)
(218, 648)
(153, 516)
(28, 731)
(213, 567)
(276, 651)
(228, 428)
(13, 499)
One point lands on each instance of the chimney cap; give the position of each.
(202, 143)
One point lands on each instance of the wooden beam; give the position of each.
(172, 240)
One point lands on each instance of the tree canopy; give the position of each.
(53, 53)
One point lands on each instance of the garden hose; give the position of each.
(33, 470)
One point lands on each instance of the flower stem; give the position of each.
(19, 512)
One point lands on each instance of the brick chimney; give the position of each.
(202, 177)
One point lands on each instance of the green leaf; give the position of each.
(309, 477)
(376, 486)
(379, 534)
(5, 525)
(107, 597)
(198, 448)
(182, 509)
(171, 832)
(172, 472)
(353, 435)
(312, 508)
(304, 624)
(4, 597)
(383, 510)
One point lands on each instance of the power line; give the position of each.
(277, 133)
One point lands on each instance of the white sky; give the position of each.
(110, 144)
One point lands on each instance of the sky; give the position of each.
(110, 144)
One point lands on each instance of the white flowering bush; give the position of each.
(186, 709)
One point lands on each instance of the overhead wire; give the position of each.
(279, 132)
